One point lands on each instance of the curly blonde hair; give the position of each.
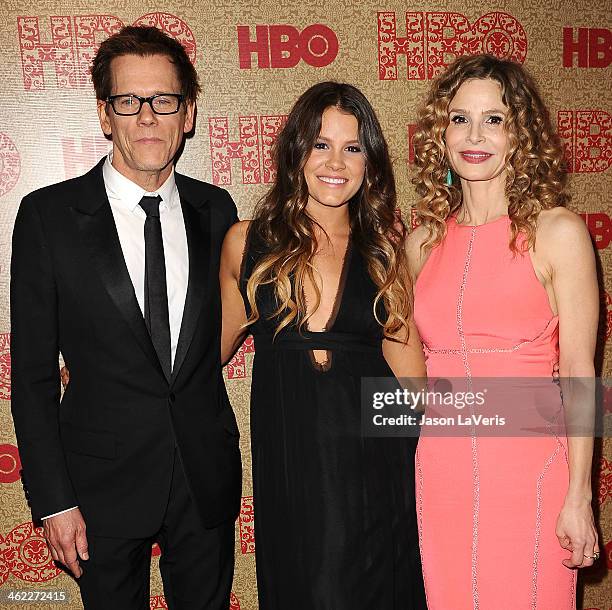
(287, 232)
(536, 177)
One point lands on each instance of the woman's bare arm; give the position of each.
(564, 247)
(234, 314)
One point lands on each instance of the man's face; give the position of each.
(145, 144)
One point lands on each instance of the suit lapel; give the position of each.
(97, 226)
(196, 215)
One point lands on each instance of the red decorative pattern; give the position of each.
(593, 141)
(565, 129)
(253, 147)
(5, 366)
(236, 367)
(10, 164)
(599, 225)
(429, 48)
(222, 151)
(234, 602)
(10, 464)
(496, 33)
(173, 26)
(27, 554)
(89, 31)
(158, 602)
(247, 526)
(390, 46)
(605, 481)
(587, 139)
(34, 52)
(75, 41)
(155, 550)
(4, 566)
(270, 127)
(608, 549)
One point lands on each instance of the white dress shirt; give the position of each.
(124, 197)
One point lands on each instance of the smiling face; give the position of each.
(476, 138)
(335, 168)
(145, 144)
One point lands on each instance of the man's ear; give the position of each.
(189, 117)
(104, 119)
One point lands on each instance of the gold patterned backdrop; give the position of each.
(254, 59)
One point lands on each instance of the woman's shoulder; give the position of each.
(561, 238)
(558, 225)
(236, 236)
(234, 245)
(239, 230)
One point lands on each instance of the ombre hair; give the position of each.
(536, 178)
(282, 224)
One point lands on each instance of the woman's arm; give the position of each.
(417, 256)
(405, 355)
(234, 315)
(564, 245)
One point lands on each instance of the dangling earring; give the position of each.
(449, 178)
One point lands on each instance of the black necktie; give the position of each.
(155, 292)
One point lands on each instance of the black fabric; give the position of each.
(335, 523)
(109, 446)
(196, 563)
(157, 317)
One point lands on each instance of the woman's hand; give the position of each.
(576, 533)
(65, 375)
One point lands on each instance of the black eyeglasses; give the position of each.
(161, 103)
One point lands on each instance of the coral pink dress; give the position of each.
(487, 506)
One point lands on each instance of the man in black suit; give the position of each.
(118, 270)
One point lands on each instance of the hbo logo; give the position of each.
(283, 46)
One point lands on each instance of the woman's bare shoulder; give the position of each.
(559, 225)
(234, 245)
(239, 230)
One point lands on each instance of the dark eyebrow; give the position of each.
(349, 143)
(490, 111)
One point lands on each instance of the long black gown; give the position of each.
(335, 517)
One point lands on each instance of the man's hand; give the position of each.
(65, 535)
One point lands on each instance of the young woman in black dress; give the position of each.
(319, 277)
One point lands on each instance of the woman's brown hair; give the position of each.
(288, 232)
(536, 178)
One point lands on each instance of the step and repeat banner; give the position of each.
(254, 59)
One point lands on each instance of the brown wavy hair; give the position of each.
(282, 224)
(536, 177)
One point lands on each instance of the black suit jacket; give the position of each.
(109, 446)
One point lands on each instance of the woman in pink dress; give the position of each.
(503, 522)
